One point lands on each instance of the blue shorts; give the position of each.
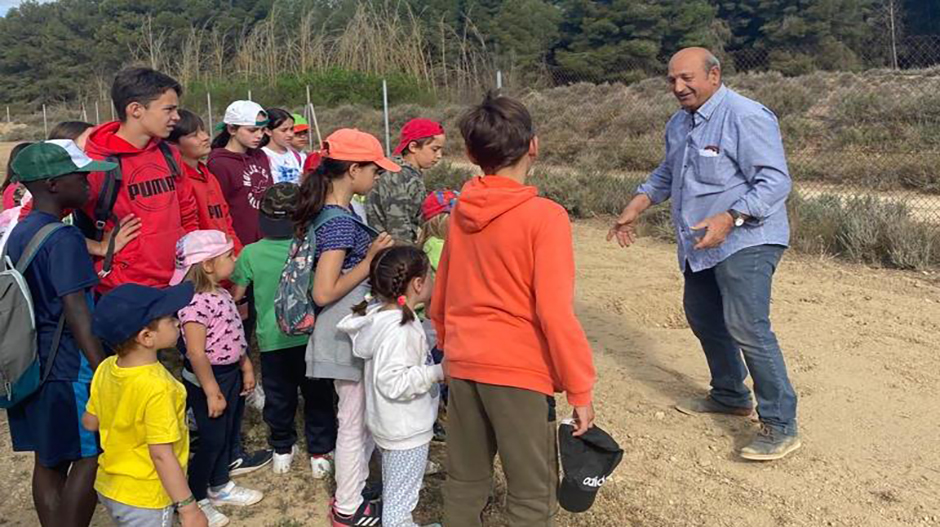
(49, 423)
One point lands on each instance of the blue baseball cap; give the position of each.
(127, 309)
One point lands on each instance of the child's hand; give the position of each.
(192, 516)
(248, 381)
(216, 404)
(383, 241)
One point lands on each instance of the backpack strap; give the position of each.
(35, 243)
(170, 160)
(104, 211)
(32, 249)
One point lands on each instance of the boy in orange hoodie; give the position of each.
(504, 314)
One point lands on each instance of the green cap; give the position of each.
(54, 158)
(300, 123)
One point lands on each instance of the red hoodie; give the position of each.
(166, 208)
(213, 210)
(503, 303)
(243, 179)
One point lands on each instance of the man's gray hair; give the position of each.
(712, 62)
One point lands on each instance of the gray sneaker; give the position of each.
(707, 405)
(770, 445)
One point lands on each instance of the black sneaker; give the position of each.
(368, 515)
(372, 491)
(440, 434)
(248, 463)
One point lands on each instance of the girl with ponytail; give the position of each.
(401, 379)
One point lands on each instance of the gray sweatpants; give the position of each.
(402, 474)
(128, 516)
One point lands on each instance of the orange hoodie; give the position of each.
(503, 304)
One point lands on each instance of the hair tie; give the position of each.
(368, 298)
(402, 300)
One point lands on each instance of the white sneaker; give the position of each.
(232, 494)
(282, 462)
(215, 518)
(322, 466)
(433, 468)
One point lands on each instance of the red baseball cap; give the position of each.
(350, 144)
(417, 129)
(439, 202)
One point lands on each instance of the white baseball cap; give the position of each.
(245, 113)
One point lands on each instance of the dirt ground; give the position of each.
(861, 345)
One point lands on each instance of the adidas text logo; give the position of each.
(594, 482)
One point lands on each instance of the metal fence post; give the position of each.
(45, 122)
(388, 140)
(209, 111)
(97, 114)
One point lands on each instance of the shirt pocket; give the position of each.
(712, 170)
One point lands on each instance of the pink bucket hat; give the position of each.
(197, 247)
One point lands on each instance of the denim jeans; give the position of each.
(728, 309)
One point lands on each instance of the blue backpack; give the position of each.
(294, 308)
(19, 355)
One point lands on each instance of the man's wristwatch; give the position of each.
(738, 218)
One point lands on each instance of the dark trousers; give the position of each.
(238, 448)
(209, 467)
(283, 372)
(519, 425)
(728, 309)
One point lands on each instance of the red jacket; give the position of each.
(211, 206)
(166, 208)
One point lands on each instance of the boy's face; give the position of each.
(72, 190)
(167, 333)
(301, 140)
(195, 145)
(160, 116)
(428, 155)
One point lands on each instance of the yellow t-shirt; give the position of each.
(136, 407)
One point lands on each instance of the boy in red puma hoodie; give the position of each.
(504, 314)
(146, 102)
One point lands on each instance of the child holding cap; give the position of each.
(503, 307)
(140, 410)
(395, 205)
(60, 279)
(241, 167)
(282, 356)
(345, 248)
(216, 372)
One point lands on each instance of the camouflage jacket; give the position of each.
(394, 205)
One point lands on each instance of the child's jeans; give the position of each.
(354, 446)
(129, 516)
(402, 473)
(282, 373)
(209, 467)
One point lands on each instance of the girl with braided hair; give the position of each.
(400, 376)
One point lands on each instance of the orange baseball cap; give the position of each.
(350, 144)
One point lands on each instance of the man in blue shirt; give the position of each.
(726, 174)
(60, 280)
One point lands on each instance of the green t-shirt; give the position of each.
(261, 264)
(433, 247)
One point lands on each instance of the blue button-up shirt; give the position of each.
(727, 155)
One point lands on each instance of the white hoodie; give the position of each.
(401, 378)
